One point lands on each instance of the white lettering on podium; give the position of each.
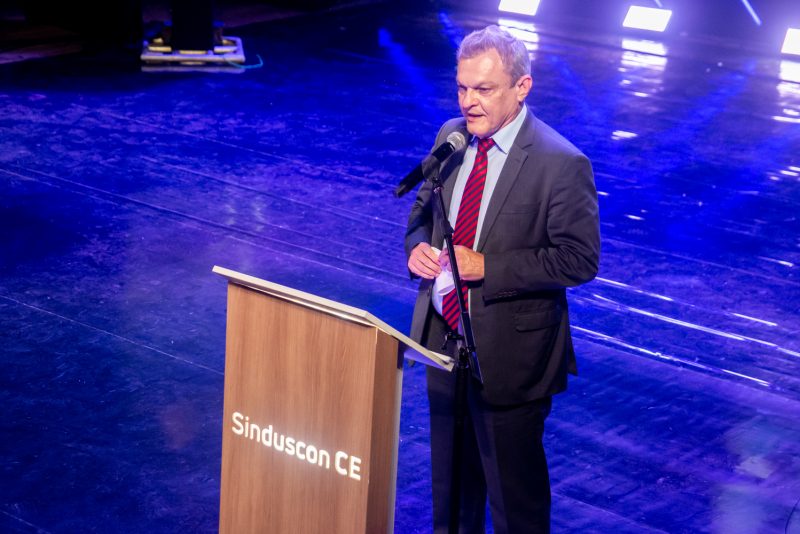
(312, 454)
(238, 428)
(340, 457)
(354, 470)
(345, 464)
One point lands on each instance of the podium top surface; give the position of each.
(411, 349)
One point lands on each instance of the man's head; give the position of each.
(493, 77)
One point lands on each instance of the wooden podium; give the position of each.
(312, 411)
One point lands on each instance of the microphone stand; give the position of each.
(467, 362)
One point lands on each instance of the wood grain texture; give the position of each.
(315, 378)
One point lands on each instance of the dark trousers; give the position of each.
(503, 456)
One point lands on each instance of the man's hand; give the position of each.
(470, 263)
(424, 261)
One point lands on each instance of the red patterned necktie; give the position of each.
(467, 224)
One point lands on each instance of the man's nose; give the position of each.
(470, 98)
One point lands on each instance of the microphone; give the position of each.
(455, 142)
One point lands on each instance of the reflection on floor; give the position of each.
(119, 190)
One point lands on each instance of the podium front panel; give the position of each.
(310, 421)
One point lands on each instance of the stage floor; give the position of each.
(119, 190)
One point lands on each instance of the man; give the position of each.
(523, 204)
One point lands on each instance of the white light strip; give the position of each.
(521, 7)
(757, 320)
(752, 12)
(615, 341)
(647, 18)
(791, 45)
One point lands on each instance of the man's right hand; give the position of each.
(424, 261)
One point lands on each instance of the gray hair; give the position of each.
(511, 50)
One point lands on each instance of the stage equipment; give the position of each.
(228, 51)
(520, 7)
(647, 18)
(791, 45)
(192, 39)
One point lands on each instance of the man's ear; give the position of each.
(524, 85)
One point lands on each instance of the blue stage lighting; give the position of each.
(752, 12)
(647, 18)
(791, 45)
(521, 7)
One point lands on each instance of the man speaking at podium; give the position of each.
(523, 204)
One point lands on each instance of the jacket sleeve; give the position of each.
(420, 221)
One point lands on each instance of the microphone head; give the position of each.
(458, 140)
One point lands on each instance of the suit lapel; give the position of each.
(508, 176)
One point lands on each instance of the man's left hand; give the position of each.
(470, 263)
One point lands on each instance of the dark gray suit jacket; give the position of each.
(540, 236)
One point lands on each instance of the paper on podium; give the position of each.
(411, 349)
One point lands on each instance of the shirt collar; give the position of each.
(505, 136)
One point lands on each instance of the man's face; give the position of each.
(488, 97)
